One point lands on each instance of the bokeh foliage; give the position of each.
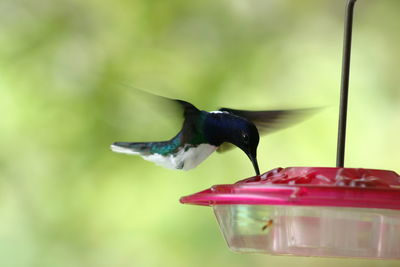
(67, 68)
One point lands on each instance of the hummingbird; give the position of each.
(204, 132)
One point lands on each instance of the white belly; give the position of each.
(185, 158)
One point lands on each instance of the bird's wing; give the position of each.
(268, 121)
(175, 107)
(187, 108)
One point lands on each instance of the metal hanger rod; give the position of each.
(344, 92)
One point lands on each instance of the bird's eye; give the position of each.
(245, 137)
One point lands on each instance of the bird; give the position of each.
(204, 132)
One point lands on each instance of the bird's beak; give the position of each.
(253, 159)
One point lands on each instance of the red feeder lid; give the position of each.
(308, 186)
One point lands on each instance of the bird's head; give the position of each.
(246, 138)
(237, 131)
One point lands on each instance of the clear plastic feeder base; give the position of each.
(308, 211)
(311, 231)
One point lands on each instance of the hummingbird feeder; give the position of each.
(312, 211)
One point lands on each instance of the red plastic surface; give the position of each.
(328, 176)
(308, 186)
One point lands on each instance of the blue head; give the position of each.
(224, 127)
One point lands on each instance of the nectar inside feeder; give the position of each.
(312, 211)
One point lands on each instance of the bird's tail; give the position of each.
(131, 148)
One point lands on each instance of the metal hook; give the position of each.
(344, 92)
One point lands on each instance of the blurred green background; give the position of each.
(66, 67)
